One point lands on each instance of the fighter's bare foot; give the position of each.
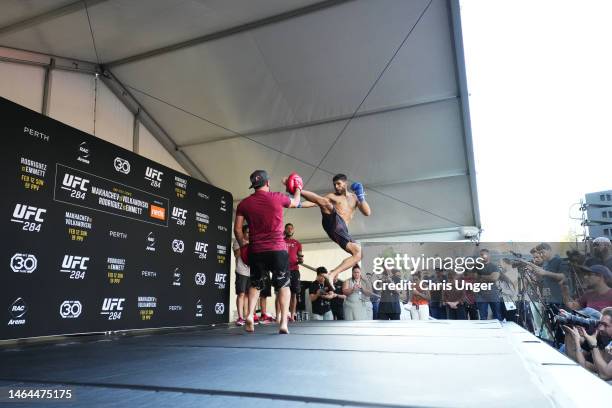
(249, 325)
(283, 330)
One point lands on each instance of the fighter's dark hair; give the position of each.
(339, 176)
(356, 266)
(288, 224)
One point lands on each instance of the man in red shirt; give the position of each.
(263, 211)
(294, 248)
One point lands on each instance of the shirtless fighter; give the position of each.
(337, 211)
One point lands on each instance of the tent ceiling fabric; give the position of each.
(277, 96)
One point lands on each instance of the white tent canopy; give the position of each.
(372, 89)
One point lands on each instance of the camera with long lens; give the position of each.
(573, 320)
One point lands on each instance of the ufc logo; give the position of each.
(220, 278)
(111, 304)
(74, 182)
(25, 212)
(179, 213)
(201, 247)
(71, 262)
(153, 174)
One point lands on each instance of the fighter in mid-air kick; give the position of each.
(337, 211)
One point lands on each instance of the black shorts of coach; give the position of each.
(275, 262)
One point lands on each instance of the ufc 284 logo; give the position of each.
(154, 176)
(76, 266)
(112, 307)
(76, 185)
(179, 215)
(31, 217)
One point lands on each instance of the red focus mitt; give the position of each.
(244, 254)
(294, 182)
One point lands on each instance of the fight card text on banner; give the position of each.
(96, 238)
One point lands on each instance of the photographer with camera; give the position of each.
(550, 274)
(321, 294)
(596, 347)
(597, 295)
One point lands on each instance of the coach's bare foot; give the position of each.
(249, 325)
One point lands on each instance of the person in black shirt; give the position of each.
(321, 294)
(337, 303)
(389, 308)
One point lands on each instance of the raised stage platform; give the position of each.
(320, 364)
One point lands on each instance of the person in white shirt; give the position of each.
(243, 279)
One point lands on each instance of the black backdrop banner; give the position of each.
(96, 238)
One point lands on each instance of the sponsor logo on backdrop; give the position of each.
(203, 195)
(154, 177)
(70, 309)
(18, 310)
(178, 246)
(223, 204)
(180, 186)
(176, 277)
(151, 242)
(74, 265)
(200, 279)
(118, 234)
(23, 263)
(199, 309)
(219, 308)
(201, 249)
(159, 213)
(112, 308)
(32, 174)
(221, 254)
(175, 308)
(202, 221)
(116, 268)
(179, 215)
(148, 274)
(122, 165)
(146, 306)
(83, 153)
(36, 134)
(220, 280)
(78, 225)
(31, 217)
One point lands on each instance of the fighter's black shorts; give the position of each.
(336, 229)
(295, 281)
(262, 263)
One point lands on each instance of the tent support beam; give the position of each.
(48, 16)
(228, 32)
(151, 124)
(303, 125)
(455, 17)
